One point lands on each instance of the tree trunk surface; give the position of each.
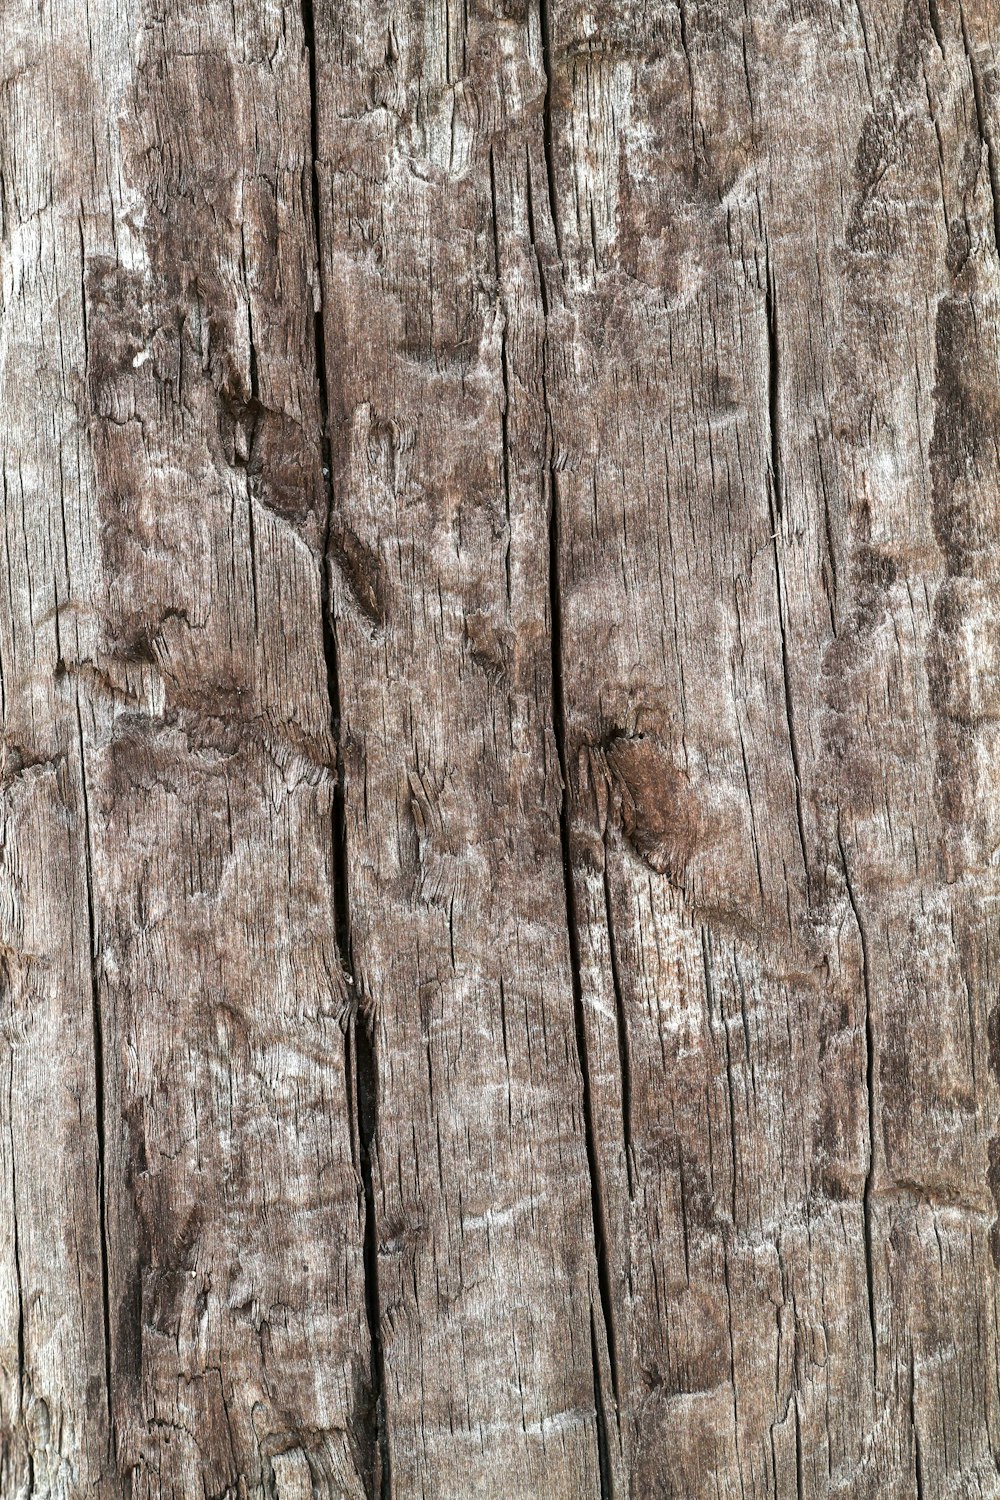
(500, 763)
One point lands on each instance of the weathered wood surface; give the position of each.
(500, 781)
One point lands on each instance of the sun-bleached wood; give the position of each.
(499, 777)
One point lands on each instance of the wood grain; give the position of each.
(499, 768)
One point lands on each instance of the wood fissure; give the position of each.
(621, 1015)
(983, 126)
(573, 939)
(778, 539)
(16, 1246)
(607, 1490)
(359, 1051)
(870, 1098)
(100, 1103)
(548, 141)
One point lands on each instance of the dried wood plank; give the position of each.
(499, 694)
(434, 326)
(782, 882)
(170, 881)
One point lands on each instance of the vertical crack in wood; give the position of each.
(717, 1018)
(505, 380)
(716, 1015)
(16, 1242)
(800, 1475)
(733, 1385)
(621, 1020)
(982, 124)
(580, 1025)
(866, 1197)
(692, 117)
(598, 1216)
(361, 1061)
(830, 589)
(918, 1458)
(545, 33)
(777, 511)
(100, 1105)
(934, 16)
(685, 1233)
(603, 1455)
(255, 404)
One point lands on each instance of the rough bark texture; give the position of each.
(500, 763)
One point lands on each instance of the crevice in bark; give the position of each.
(727, 1283)
(100, 1105)
(867, 1194)
(918, 1466)
(603, 1457)
(831, 589)
(985, 134)
(714, 1004)
(361, 1062)
(84, 327)
(754, 837)
(16, 1241)
(505, 379)
(543, 291)
(777, 510)
(572, 927)
(598, 1216)
(774, 393)
(685, 1232)
(918, 1459)
(692, 120)
(545, 32)
(255, 403)
(624, 1045)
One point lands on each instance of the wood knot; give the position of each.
(654, 802)
(361, 567)
(273, 448)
